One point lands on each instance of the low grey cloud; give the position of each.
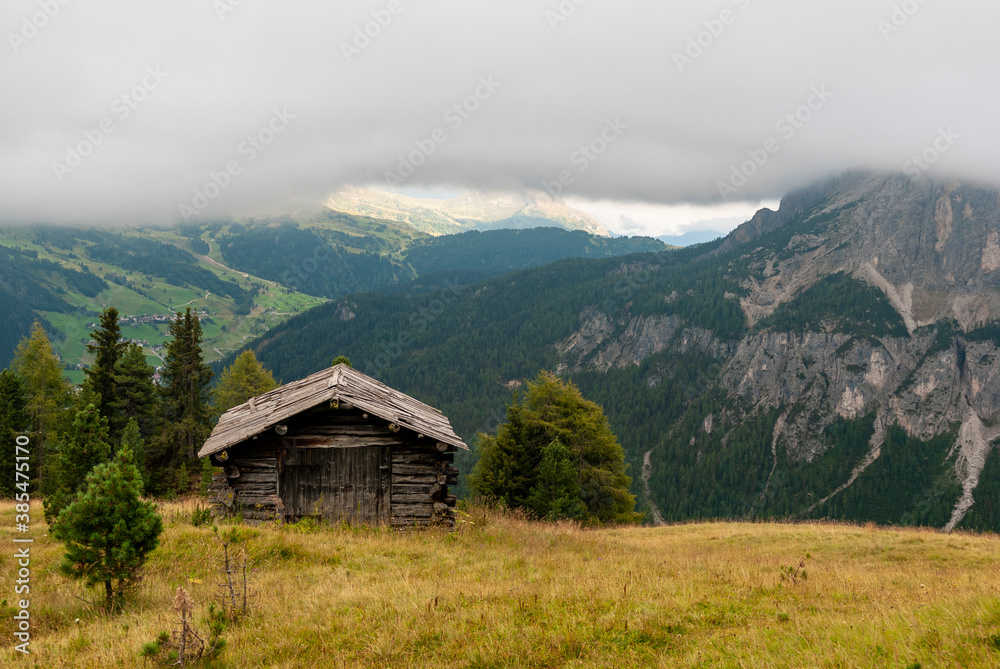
(123, 112)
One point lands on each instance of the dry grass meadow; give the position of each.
(505, 592)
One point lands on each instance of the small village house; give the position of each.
(337, 445)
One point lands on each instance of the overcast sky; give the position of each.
(666, 119)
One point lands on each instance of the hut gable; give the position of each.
(337, 445)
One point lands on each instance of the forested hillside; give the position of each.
(28, 284)
(837, 358)
(330, 263)
(465, 349)
(304, 260)
(244, 277)
(65, 277)
(798, 368)
(506, 250)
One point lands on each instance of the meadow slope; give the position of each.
(505, 592)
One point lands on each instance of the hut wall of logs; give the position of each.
(335, 460)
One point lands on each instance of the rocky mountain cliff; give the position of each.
(927, 366)
(932, 248)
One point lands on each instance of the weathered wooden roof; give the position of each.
(339, 382)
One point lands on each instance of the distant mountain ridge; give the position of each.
(691, 238)
(472, 211)
(248, 276)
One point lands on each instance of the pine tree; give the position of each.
(244, 379)
(184, 400)
(108, 530)
(556, 493)
(108, 350)
(81, 449)
(135, 394)
(14, 420)
(47, 391)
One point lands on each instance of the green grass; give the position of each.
(502, 591)
(75, 330)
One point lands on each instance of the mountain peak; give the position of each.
(932, 247)
(470, 211)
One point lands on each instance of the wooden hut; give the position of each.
(337, 445)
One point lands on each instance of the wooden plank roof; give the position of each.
(339, 382)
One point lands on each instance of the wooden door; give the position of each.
(337, 484)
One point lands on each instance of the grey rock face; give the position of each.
(603, 342)
(933, 249)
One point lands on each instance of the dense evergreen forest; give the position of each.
(502, 251)
(302, 259)
(841, 302)
(330, 263)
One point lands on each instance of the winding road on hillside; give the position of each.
(647, 469)
(189, 302)
(218, 264)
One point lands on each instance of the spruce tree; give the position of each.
(107, 349)
(133, 441)
(14, 420)
(243, 379)
(505, 471)
(108, 530)
(135, 394)
(184, 402)
(48, 394)
(556, 493)
(80, 450)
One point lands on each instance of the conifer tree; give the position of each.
(108, 530)
(133, 441)
(13, 421)
(107, 349)
(556, 493)
(508, 469)
(81, 449)
(135, 394)
(184, 401)
(243, 379)
(47, 392)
